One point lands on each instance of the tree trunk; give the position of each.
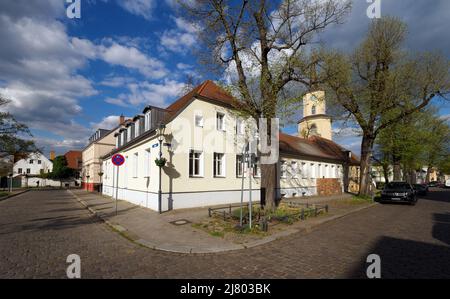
(427, 180)
(386, 173)
(269, 186)
(397, 170)
(366, 156)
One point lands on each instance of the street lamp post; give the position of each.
(161, 129)
(10, 182)
(87, 182)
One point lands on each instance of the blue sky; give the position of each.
(68, 77)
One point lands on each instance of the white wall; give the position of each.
(35, 168)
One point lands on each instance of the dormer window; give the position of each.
(123, 137)
(148, 120)
(136, 128)
(130, 132)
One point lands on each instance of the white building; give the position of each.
(31, 168)
(202, 141)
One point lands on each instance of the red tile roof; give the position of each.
(207, 90)
(314, 147)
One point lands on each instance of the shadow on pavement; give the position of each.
(441, 228)
(407, 259)
(435, 194)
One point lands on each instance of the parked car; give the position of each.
(420, 189)
(399, 192)
(447, 183)
(433, 184)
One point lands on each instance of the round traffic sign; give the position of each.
(118, 160)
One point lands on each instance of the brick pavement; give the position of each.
(38, 230)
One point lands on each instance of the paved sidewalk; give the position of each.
(155, 231)
(14, 193)
(150, 229)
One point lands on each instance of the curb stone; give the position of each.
(13, 195)
(187, 250)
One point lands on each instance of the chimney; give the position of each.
(52, 155)
(121, 119)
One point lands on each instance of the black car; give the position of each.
(420, 189)
(398, 192)
(433, 184)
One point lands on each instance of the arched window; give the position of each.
(313, 110)
(313, 130)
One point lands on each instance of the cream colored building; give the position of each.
(100, 143)
(315, 121)
(203, 142)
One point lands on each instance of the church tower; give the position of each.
(315, 121)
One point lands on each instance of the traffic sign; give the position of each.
(118, 160)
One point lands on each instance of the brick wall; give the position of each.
(326, 187)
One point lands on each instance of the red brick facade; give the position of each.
(73, 159)
(326, 187)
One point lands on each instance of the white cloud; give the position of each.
(132, 58)
(147, 93)
(107, 123)
(121, 55)
(142, 8)
(183, 66)
(40, 64)
(181, 39)
(117, 81)
(175, 4)
(121, 100)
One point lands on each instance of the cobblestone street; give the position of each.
(38, 230)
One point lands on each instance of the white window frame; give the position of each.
(147, 162)
(222, 129)
(239, 166)
(240, 126)
(148, 120)
(201, 164)
(129, 137)
(221, 163)
(136, 128)
(135, 165)
(200, 124)
(122, 135)
(257, 173)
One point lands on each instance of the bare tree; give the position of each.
(266, 47)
